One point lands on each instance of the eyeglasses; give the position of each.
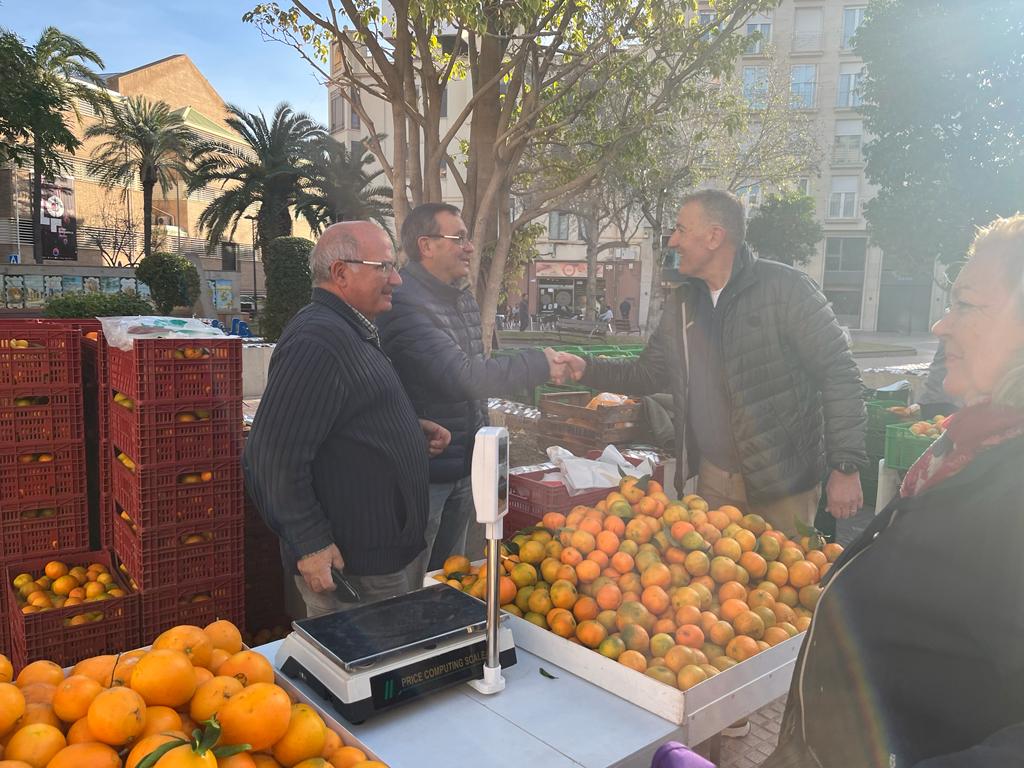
(384, 267)
(462, 239)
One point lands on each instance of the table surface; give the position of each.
(535, 722)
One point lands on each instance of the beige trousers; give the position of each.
(719, 487)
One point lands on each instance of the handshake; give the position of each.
(564, 366)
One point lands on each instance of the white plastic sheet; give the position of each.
(120, 332)
(580, 475)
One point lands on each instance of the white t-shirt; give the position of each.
(715, 295)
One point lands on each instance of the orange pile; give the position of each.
(672, 589)
(60, 586)
(113, 711)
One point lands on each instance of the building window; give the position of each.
(581, 228)
(229, 257)
(558, 225)
(845, 254)
(755, 86)
(803, 80)
(337, 113)
(807, 25)
(852, 18)
(759, 30)
(356, 150)
(842, 202)
(750, 196)
(848, 92)
(847, 142)
(706, 19)
(846, 305)
(803, 186)
(354, 122)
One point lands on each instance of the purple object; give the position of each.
(672, 754)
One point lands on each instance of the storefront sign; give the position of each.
(58, 226)
(570, 269)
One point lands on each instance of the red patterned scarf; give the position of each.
(968, 432)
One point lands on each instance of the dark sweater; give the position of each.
(433, 336)
(336, 453)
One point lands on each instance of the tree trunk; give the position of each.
(147, 216)
(657, 302)
(591, 310)
(489, 301)
(37, 204)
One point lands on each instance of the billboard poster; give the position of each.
(72, 283)
(91, 284)
(223, 296)
(127, 285)
(35, 291)
(58, 226)
(14, 291)
(54, 285)
(110, 284)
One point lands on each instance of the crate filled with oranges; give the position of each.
(65, 609)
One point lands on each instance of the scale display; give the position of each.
(366, 634)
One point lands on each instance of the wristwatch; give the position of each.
(846, 467)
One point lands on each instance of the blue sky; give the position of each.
(232, 55)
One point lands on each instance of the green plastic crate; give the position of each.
(879, 416)
(902, 447)
(901, 396)
(546, 389)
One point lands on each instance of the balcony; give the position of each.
(847, 156)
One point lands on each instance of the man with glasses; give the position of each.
(337, 458)
(765, 388)
(434, 338)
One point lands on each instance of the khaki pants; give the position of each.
(370, 588)
(719, 487)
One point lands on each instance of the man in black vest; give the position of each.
(337, 459)
(434, 338)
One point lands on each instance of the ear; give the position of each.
(715, 237)
(340, 272)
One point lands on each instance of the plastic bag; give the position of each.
(606, 399)
(121, 331)
(579, 475)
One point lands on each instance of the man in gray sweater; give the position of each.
(337, 459)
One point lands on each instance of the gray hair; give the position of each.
(422, 220)
(328, 250)
(1004, 238)
(724, 209)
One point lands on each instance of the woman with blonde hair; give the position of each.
(915, 656)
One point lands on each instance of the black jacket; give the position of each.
(915, 657)
(432, 334)
(793, 386)
(336, 453)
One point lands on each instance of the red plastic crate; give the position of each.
(150, 371)
(58, 419)
(53, 357)
(47, 635)
(529, 498)
(152, 434)
(26, 533)
(161, 557)
(153, 497)
(25, 482)
(197, 603)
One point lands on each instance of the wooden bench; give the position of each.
(590, 328)
(623, 326)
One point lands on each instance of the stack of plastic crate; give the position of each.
(43, 510)
(173, 454)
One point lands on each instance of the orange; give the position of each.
(733, 513)
(636, 638)
(190, 640)
(790, 554)
(633, 660)
(35, 744)
(332, 743)
(39, 693)
(721, 632)
(817, 557)
(718, 518)
(99, 668)
(732, 608)
(40, 712)
(622, 562)
(92, 755)
(506, 590)
(777, 574)
(732, 590)
(12, 706)
(241, 760)
(591, 633)
(553, 521)
(561, 622)
(775, 635)
(571, 556)
(583, 541)
(6, 669)
(615, 525)
(224, 635)
(148, 744)
(655, 599)
(788, 596)
(832, 551)
(759, 597)
(633, 612)
(689, 676)
(73, 696)
(79, 732)
(750, 624)
(803, 573)
(687, 614)
(723, 569)
(258, 715)
(690, 635)
(116, 716)
(585, 608)
(587, 571)
(266, 761)
(211, 696)
(249, 667)
(607, 542)
(563, 594)
(185, 757)
(809, 596)
(678, 656)
(55, 569)
(590, 525)
(40, 672)
(611, 647)
(754, 523)
(656, 574)
(727, 547)
(346, 757)
(608, 597)
(160, 719)
(305, 737)
(741, 648)
(783, 613)
(164, 677)
(754, 564)
(697, 563)
(745, 539)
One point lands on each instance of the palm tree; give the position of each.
(61, 66)
(144, 139)
(268, 174)
(339, 188)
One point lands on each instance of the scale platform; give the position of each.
(374, 657)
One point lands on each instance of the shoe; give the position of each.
(737, 730)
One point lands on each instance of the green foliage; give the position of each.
(522, 252)
(339, 187)
(173, 280)
(942, 96)
(784, 229)
(288, 281)
(97, 305)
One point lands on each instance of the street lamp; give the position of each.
(255, 302)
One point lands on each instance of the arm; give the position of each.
(304, 397)
(645, 375)
(1000, 750)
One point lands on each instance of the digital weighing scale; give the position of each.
(371, 658)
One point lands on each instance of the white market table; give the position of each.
(535, 722)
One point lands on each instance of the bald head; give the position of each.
(345, 241)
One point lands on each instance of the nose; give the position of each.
(941, 326)
(673, 240)
(394, 278)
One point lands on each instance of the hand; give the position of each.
(437, 437)
(844, 494)
(564, 367)
(316, 568)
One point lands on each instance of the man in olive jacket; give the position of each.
(766, 390)
(433, 336)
